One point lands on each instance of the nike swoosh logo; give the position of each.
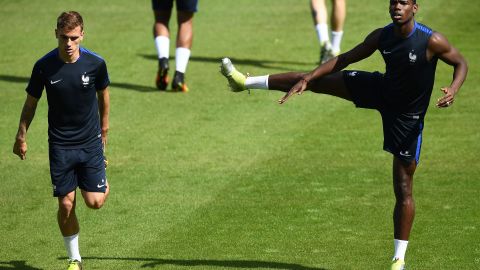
(386, 52)
(54, 82)
(100, 186)
(405, 154)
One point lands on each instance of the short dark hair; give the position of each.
(69, 20)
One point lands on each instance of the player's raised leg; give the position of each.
(332, 84)
(95, 200)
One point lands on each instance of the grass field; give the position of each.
(217, 180)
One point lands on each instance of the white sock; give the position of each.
(181, 59)
(257, 82)
(336, 41)
(71, 245)
(322, 32)
(162, 43)
(400, 249)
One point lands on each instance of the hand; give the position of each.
(20, 149)
(298, 88)
(447, 99)
(105, 161)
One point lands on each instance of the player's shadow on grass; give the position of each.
(129, 86)
(16, 265)
(136, 87)
(268, 64)
(14, 79)
(246, 264)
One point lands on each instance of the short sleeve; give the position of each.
(36, 83)
(102, 80)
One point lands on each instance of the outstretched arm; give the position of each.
(104, 110)
(440, 47)
(360, 52)
(28, 112)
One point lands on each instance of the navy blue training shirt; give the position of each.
(73, 117)
(409, 76)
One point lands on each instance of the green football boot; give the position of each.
(236, 80)
(398, 264)
(74, 265)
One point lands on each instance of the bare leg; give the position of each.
(96, 200)
(332, 84)
(67, 220)
(161, 34)
(185, 29)
(160, 28)
(404, 211)
(319, 11)
(338, 15)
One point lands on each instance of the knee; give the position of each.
(403, 189)
(406, 200)
(404, 193)
(95, 200)
(95, 203)
(66, 207)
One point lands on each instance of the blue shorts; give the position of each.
(402, 131)
(183, 5)
(72, 168)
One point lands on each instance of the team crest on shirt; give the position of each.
(412, 56)
(85, 79)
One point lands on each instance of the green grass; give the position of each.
(216, 180)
